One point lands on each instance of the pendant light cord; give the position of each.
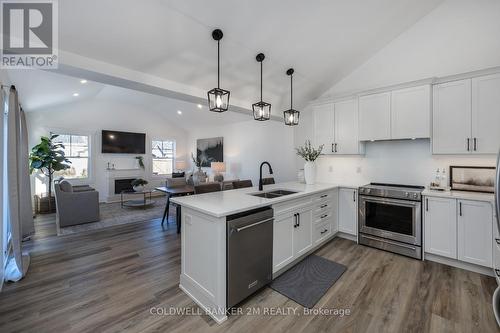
(261, 81)
(218, 64)
(291, 91)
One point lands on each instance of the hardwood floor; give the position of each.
(109, 280)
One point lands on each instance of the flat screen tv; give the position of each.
(114, 142)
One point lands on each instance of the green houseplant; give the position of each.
(138, 184)
(48, 157)
(309, 154)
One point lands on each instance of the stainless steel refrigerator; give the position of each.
(496, 295)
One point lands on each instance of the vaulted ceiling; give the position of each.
(324, 40)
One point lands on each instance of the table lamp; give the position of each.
(218, 168)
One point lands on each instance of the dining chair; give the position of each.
(268, 181)
(207, 188)
(242, 183)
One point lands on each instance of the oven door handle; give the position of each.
(398, 202)
(389, 242)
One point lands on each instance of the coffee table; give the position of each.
(143, 202)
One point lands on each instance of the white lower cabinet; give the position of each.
(475, 232)
(440, 225)
(459, 229)
(299, 227)
(302, 236)
(348, 211)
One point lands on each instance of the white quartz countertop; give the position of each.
(460, 195)
(225, 203)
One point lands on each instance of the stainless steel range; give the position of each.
(390, 218)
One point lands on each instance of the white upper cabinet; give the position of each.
(324, 126)
(411, 112)
(346, 128)
(466, 115)
(375, 117)
(486, 114)
(451, 118)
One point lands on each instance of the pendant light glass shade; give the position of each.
(218, 99)
(291, 116)
(261, 109)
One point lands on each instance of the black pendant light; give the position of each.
(218, 99)
(261, 110)
(291, 116)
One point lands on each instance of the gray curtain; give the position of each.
(18, 265)
(26, 207)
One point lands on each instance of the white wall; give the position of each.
(93, 115)
(458, 36)
(248, 143)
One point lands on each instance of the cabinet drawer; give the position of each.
(292, 205)
(323, 196)
(322, 207)
(324, 216)
(322, 231)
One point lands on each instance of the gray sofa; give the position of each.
(75, 205)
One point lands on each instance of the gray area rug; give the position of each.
(113, 214)
(309, 280)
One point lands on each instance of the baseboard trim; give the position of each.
(344, 235)
(459, 264)
(218, 320)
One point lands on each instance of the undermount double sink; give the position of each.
(273, 194)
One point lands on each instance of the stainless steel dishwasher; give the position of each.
(249, 253)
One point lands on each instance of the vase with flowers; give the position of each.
(309, 154)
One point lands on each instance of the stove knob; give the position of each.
(407, 194)
(415, 195)
(368, 191)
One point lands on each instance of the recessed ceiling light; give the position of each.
(83, 81)
(199, 106)
(179, 112)
(76, 94)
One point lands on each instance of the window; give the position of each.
(163, 157)
(76, 149)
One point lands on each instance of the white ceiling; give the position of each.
(40, 91)
(324, 40)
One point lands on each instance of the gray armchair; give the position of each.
(75, 207)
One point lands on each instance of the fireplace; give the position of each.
(123, 185)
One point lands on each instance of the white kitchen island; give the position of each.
(203, 234)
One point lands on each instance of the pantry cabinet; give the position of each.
(466, 114)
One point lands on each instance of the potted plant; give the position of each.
(309, 154)
(48, 157)
(138, 184)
